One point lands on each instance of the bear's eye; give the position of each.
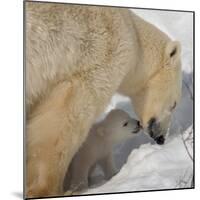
(173, 52)
(125, 124)
(173, 107)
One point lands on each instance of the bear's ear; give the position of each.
(172, 51)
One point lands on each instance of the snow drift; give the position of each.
(153, 167)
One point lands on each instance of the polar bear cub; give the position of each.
(97, 149)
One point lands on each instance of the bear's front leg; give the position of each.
(55, 131)
(108, 166)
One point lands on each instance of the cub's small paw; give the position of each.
(68, 193)
(71, 193)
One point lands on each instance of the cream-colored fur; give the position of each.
(77, 57)
(118, 126)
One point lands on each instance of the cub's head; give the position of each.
(120, 126)
(157, 99)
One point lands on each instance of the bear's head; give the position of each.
(157, 98)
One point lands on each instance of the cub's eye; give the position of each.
(173, 107)
(125, 124)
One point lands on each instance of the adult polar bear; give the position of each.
(77, 57)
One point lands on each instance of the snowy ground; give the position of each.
(152, 167)
(142, 164)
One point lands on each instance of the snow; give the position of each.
(152, 167)
(142, 164)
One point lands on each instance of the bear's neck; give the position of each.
(151, 43)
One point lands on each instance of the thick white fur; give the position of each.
(118, 126)
(77, 57)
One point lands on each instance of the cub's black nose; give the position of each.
(137, 128)
(160, 140)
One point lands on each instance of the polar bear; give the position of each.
(77, 57)
(117, 127)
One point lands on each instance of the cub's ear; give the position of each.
(172, 52)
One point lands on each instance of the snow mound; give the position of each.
(153, 167)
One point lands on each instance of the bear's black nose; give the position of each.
(160, 140)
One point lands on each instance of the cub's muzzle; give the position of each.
(137, 128)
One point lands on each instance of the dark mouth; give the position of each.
(154, 130)
(136, 131)
(151, 133)
(138, 127)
